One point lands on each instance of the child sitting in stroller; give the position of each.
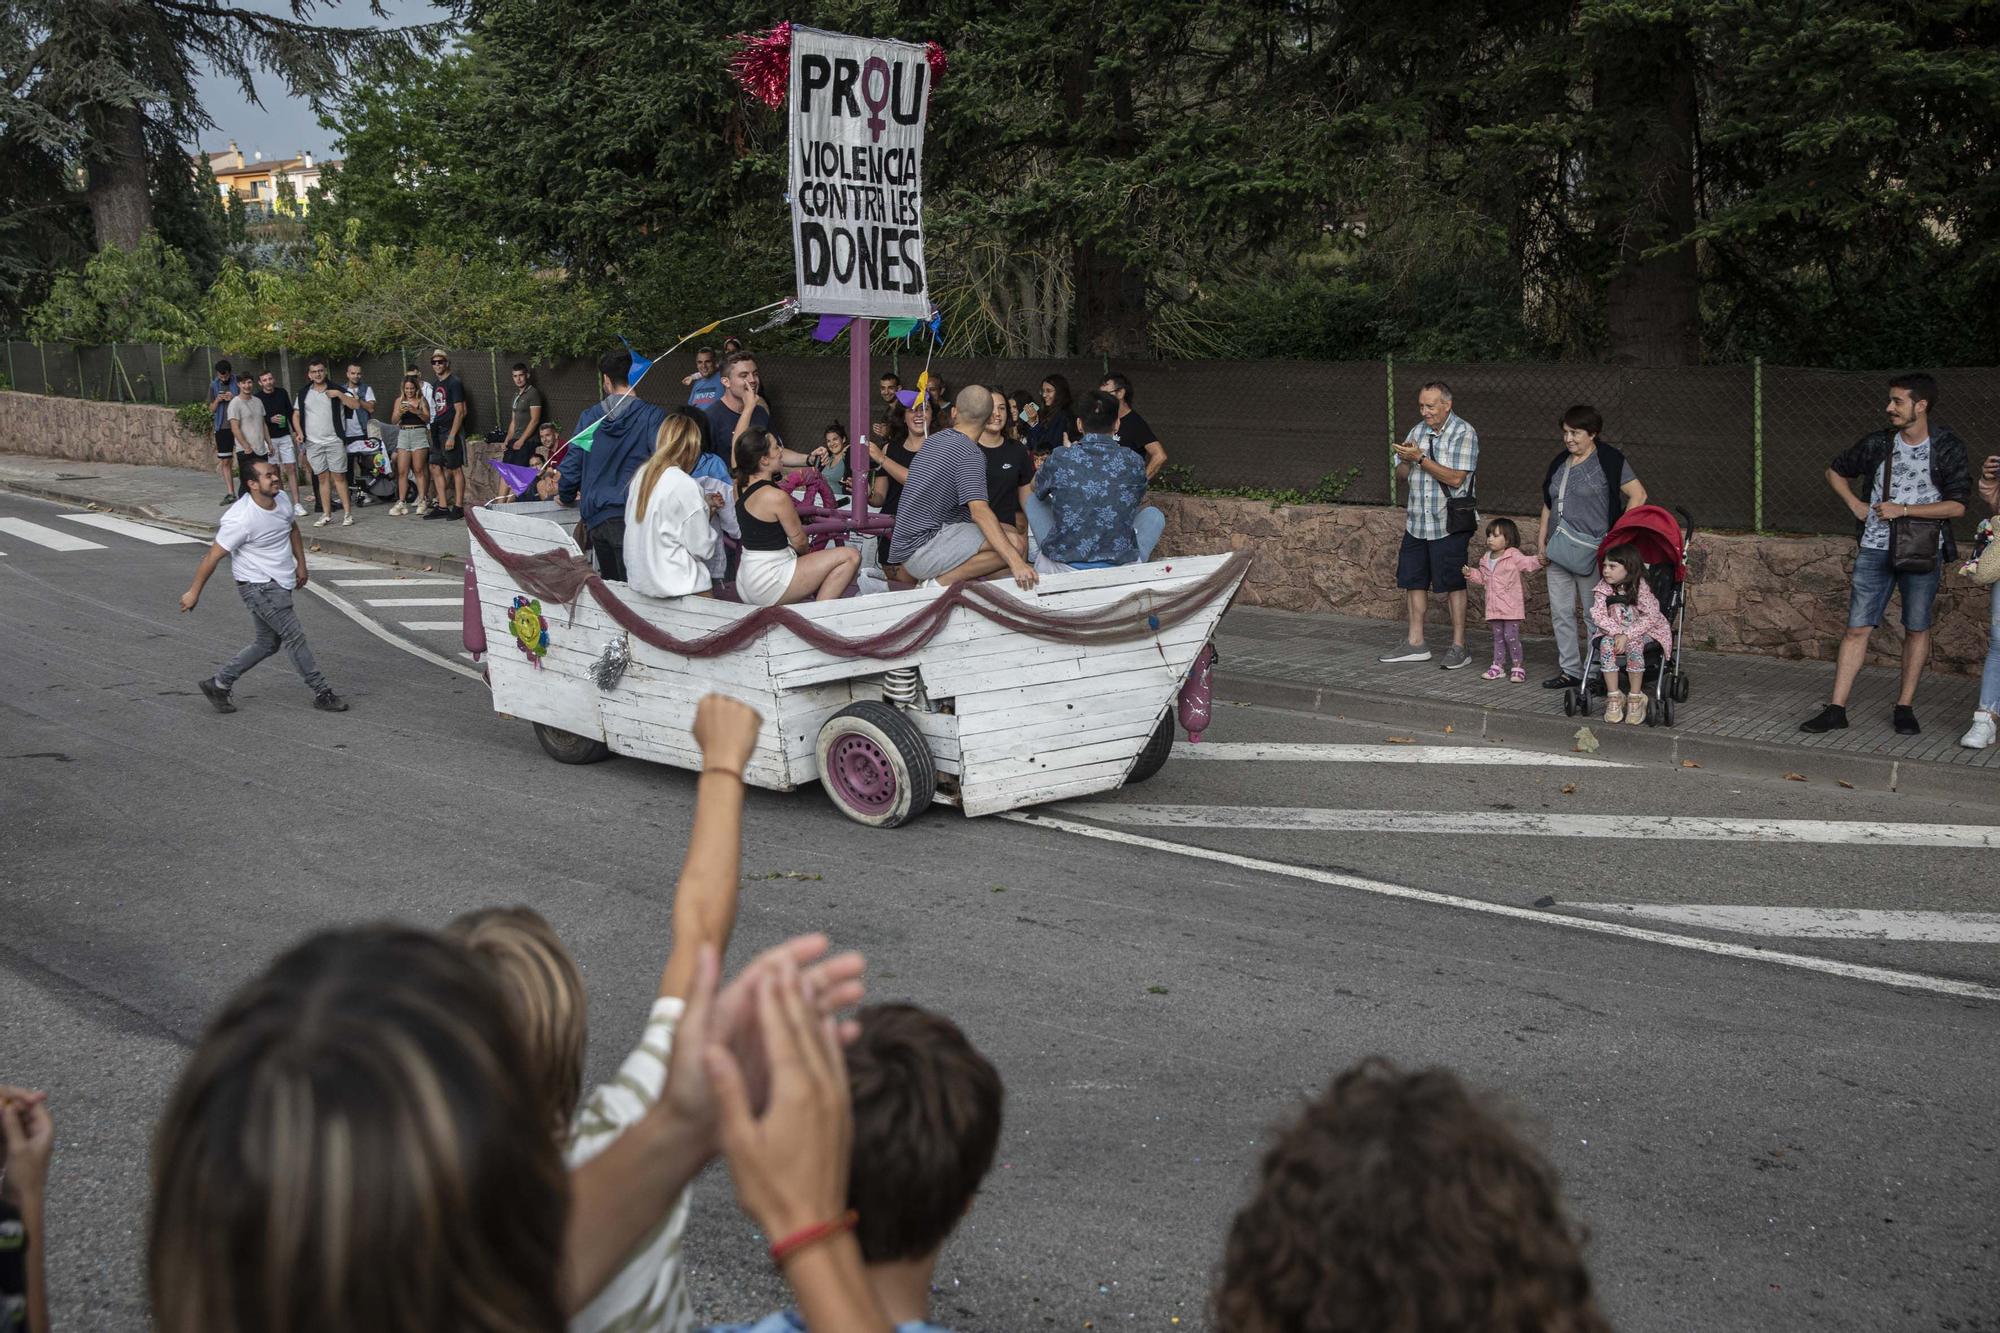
(1627, 616)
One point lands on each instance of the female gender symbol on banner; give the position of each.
(875, 70)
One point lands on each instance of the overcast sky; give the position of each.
(285, 125)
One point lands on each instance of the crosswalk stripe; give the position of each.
(396, 583)
(1300, 753)
(125, 527)
(412, 601)
(1430, 823)
(47, 537)
(1758, 953)
(432, 624)
(1819, 923)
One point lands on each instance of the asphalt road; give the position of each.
(1752, 1145)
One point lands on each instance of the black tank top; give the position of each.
(760, 534)
(410, 417)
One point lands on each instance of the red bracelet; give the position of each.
(782, 1250)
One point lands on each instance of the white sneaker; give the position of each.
(423, 507)
(322, 520)
(347, 520)
(398, 509)
(1981, 734)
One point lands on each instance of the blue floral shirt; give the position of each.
(1095, 488)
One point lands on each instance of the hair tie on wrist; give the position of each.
(730, 772)
(807, 1237)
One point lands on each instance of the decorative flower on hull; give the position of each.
(530, 628)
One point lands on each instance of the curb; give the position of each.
(327, 545)
(1660, 747)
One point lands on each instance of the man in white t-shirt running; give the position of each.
(260, 535)
(326, 452)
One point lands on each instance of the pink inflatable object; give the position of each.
(1198, 694)
(471, 628)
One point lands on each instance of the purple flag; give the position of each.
(518, 478)
(830, 327)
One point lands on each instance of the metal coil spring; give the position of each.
(899, 686)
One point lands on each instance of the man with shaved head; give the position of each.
(945, 529)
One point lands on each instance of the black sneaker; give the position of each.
(437, 513)
(329, 702)
(1906, 721)
(217, 695)
(228, 500)
(1561, 681)
(1831, 718)
(457, 514)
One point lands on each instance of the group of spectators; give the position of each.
(1911, 473)
(388, 1129)
(970, 484)
(332, 426)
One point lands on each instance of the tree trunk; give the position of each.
(1112, 317)
(1644, 181)
(121, 206)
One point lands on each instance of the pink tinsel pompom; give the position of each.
(934, 57)
(763, 64)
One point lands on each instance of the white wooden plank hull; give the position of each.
(1014, 720)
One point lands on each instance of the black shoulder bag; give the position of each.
(1913, 542)
(1461, 512)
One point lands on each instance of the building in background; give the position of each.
(270, 190)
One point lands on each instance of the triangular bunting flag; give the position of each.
(518, 478)
(902, 328)
(830, 327)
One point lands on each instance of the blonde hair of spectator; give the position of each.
(545, 994)
(678, 444)
(350, 1147)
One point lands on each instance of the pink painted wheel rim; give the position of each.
(861, 774)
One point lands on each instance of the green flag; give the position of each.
(582, 439)
(902, 328)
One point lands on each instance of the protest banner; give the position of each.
(857, 151)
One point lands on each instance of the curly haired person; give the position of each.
(1399, 1200)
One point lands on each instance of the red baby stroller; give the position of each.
(1663, 544)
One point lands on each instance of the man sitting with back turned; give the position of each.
(945, 530)
(601, 474)
(1085, 510)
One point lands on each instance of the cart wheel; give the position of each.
(1154, 757)
(566, 747)
(1572, 702)
(1667, 711)
(1652, 711)
(875, 765)
(1680, 693)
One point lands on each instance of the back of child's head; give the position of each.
(1399, 1201)
(926, 1126)
(349, 1147)
(1510, 533)
(545, 996)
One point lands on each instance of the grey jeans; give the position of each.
(1566, 591)
(277, 627)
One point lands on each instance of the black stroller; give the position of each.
(1663, 545)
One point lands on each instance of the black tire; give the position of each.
(1680, 691)
(1652, 711)
(875, 766)
(566, 747)
(1667, 711)
(1159, 746)
(1572, 701)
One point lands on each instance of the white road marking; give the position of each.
(453, 625)
(396, 583)
(126, 527)
(340, 604)
(1816, 923)
(416, 601)
(1804, 962)
(1297, 753)
(1689, 828)
(48, 537)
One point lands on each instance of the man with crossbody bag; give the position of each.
(1916, 479)
(1437, 459)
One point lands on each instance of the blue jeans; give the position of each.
(1989, 683)
(1147, 526)
(1868, 597)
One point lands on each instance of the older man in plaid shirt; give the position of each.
(1438, 457)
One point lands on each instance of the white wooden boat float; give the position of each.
(988, 717)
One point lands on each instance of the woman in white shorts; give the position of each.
(775, 569)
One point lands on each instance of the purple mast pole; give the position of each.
(858, 389)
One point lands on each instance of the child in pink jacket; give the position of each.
(1627, 615)
(1500, 571)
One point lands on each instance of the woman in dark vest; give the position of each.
(1588, 485)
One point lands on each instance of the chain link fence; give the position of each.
(1740, 447)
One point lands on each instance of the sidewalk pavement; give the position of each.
(1742, 712)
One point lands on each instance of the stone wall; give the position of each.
(94, 432)
(1774, 596)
